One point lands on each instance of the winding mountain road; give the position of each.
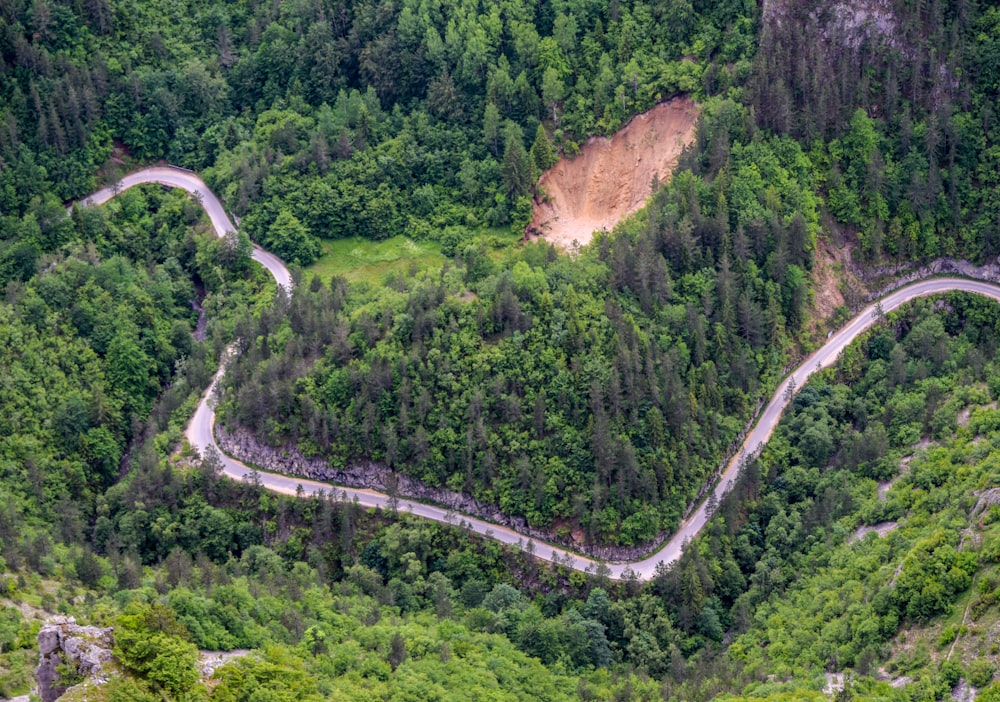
(174, 177)
(200, 432)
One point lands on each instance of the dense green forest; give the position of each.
(98, 355)
(322, 120)
(900, 106)
(594, 393)
(600, 390)
(849, 455)
(339, 600)
(696, 302)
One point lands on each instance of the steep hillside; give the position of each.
(591, 396)
(867, 534)
(904, 95)
(611, 178)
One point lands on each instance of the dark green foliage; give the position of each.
(600, 390)
(288, 238)
(541, 150)
(906, 105)
(517, 170)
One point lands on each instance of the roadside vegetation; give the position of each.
(593, 394)
(558, 388)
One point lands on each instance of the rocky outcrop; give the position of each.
(210, 661)
(886, 279)
(242, 445)
(69, 653)
(849, 23)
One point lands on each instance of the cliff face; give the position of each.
(68, 654)
(843, 24)
(819, 61)
(72, 659)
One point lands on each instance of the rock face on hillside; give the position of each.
(851, 22)
(69, 653)
(242, 445)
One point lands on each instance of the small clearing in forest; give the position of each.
(612, 178)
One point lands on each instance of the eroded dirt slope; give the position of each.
(611, 178)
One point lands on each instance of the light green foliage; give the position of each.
(123, 689)
(344, 644)
(150, 643)
(358, 259)
(860, 593)
(981, 672)
(17, 650)
(276, 676)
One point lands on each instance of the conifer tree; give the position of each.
(542, 152)
(516, 169)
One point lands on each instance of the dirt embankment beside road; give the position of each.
(612, 178)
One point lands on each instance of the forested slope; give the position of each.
(95, 346)
(735, 615)
(731, 239)
(593, 395)
(319, 120)
(904, 95)
(598, 391)
(901, 436)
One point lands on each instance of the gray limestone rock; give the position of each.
(242, 445)
(83, 649)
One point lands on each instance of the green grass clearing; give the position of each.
(360, 259)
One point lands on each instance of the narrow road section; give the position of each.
(200, 432)
(174, 177)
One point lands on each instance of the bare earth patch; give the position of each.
(831, 277)
(827, 296)
(612, 178)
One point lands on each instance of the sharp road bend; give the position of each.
(200, 432)
(174, 177)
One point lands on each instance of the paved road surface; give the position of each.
(822, 358)
(186, 180)
(200, 430)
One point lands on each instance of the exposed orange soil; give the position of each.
(612, 178)
(833, 282)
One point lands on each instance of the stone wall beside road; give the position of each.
(242, 445)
